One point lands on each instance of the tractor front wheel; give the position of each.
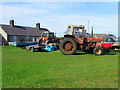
(98, 51)
(68, 46)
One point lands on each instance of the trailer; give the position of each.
(22, 43)
(41, 47)
(36, 47)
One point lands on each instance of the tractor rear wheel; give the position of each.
(98, 51)
(68, 46)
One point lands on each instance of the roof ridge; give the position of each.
(23, 26)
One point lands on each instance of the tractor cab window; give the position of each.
(69, 31)
(78, 31)
(51, 35)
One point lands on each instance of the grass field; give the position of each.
(25, 69)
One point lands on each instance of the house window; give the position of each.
(13, 38)
(26, 39)
(33, 39)
(37, 39)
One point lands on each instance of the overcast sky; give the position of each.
(55, 16)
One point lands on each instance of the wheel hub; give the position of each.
(68, 46)
(98, 51)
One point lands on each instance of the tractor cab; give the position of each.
(48, 37)
(79, 32)
(76, 30)
(48, 34)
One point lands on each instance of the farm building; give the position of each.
(14, 33)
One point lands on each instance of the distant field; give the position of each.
(25, 69)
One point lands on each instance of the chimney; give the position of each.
(11, 22)
(92, 32)
(38, 25)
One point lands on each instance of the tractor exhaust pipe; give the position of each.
(92, 32)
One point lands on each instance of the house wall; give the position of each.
(4, 36)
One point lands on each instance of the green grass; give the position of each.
(25, 69)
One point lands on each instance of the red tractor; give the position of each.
(48, 37)
(76, 39)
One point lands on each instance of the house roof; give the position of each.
(22, 30)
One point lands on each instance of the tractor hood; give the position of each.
(93, 39)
